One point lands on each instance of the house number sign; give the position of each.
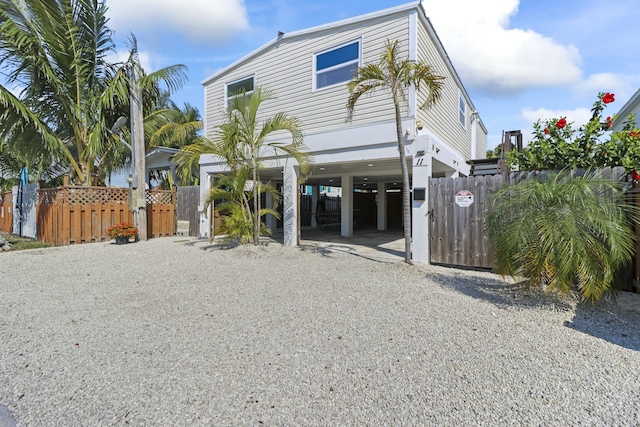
(464, 198)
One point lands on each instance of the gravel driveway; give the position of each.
(175, 332)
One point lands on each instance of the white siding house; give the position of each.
(632, 107)
(308, 71)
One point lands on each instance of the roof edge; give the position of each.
(626, 108)
(336, 24)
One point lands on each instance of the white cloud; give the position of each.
(490, 55)
(149, 62)
(211, 21)
(579, 116)
(622, 85)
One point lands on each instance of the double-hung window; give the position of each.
(232, 89)
(463, 111)
(336, 66)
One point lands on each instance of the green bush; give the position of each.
(562, 232)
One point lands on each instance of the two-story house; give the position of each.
(308, 71)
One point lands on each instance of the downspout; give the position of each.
(474, 136)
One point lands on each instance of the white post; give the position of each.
(205, 218)
(346, 213)
(381, 201)
(422, 167)
(271, 221)
(474, 130)
(314, 205)
(290, 205)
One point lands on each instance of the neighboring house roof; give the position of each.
(159, 157)
(417, 5)
(631, 107)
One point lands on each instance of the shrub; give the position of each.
(562, 232)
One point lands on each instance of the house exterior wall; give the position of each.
(632, 107)
(443, 118)
(286, 68)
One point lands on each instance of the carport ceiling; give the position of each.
(330, 174)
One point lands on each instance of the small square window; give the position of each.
(234, 88)
(336, 66)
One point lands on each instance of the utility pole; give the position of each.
(137, 140)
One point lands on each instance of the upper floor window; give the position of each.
(232, 89)
(336, 66)
(463, 112)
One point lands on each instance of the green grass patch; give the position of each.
(19, 243)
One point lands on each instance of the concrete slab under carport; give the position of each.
(381, 246)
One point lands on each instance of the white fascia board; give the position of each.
(441, 152)
(309, 31)
(351, 137)
(628, 107)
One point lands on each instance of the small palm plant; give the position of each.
(236, 195)
(562, 232)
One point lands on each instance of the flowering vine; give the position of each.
(556, 145)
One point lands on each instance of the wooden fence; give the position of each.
(73, 215)
(187, 200)
(457, 233)
(6, 212)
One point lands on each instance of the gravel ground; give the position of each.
(180, 333)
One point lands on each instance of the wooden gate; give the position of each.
(187, 200)
(6, 212)
(457, 230)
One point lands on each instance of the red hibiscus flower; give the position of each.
(609, 122)
(634, 134)
(546, 131)
(608, 98)
(635, 176)
(561, 123)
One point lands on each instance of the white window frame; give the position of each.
(462, 111)
(357, 61)
(226, 87)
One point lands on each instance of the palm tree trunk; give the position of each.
(406, 187)
(256, 208)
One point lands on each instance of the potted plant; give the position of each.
(122, 232)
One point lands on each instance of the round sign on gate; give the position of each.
(464, 198)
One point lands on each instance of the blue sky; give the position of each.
(520, 60)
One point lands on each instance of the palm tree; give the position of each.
(178, 126)
(395, 76)
(242, 141)
(562, 232)
(237, 222)
(55, 51)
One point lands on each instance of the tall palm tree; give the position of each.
(395, 75)
(55, 51)
(178, 126)
(562, 232)
(243, 140)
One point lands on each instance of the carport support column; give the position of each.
(381, 201)
(314, 205)
(422, 167)
(270, 220)
(290, 205)
(346, 212)
(206, 218)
